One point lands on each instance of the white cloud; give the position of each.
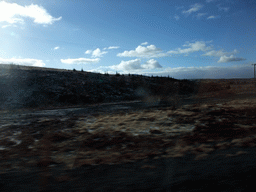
(151, 64)
(145, 43)
(14, 13)
(193, 47)
(80, 61)
(146, 52)
(5, 26)
(231, 58)
(103, 69)
(213, 17)
(98, 53)
(27, 62)
(223, 56)
(219, 53)
(194, 8)
(208, 51)
(135, 65)
(55, 48)
(98, 71)
(128, 65)
(176, 17)
(88, 52)
(199, 15)
(113, 47)
(223, 8)
(179, 7)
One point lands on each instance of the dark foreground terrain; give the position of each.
(217, 173)
(194, 142)
(52, 154)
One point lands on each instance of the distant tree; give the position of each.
(129, 74)
(117, 74)
(106, 73)
(74, 69)
(82, 70)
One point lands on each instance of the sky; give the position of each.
(183, 39)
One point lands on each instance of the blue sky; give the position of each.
(183, 39)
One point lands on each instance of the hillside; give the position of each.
(30, 87)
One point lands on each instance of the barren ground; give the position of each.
(128, 146)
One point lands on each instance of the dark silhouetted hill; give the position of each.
(32, 87)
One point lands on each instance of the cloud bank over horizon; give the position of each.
(26, 62)
(207, 72)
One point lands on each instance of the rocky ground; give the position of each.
(187, 143)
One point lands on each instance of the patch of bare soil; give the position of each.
(169, 148)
